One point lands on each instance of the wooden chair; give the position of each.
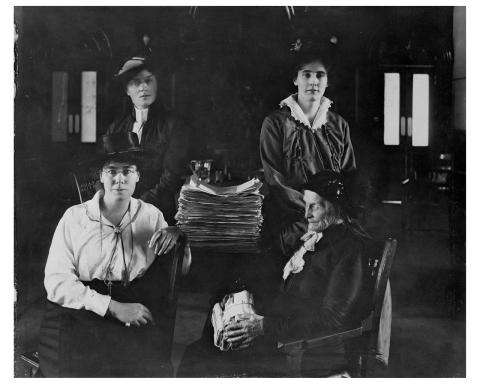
(85, 185)
(366, 333)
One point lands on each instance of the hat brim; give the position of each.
(135, 155)
(131, 67)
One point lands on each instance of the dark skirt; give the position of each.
(80, 343)
(262, 359)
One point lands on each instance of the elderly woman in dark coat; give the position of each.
(325, 288)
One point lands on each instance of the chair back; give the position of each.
(382, 273)
(85, 185)
(378, 325)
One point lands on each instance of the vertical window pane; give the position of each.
(420, 108)
(391, 109)
(59, 106)
(89, 107)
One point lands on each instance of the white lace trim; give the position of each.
(297, 112)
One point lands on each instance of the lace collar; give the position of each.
(297, 112)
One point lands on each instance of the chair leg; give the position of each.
(362, 360)
(294, 362)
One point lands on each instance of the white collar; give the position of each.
(93, 206)
(310, 239)
(297, 112)
(141, 115)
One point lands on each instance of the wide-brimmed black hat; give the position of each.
(120, 143)
(121, 147)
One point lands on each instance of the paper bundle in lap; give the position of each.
(227, 219)
(234, 307)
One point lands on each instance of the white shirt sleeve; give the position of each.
(161, 223)
(61, 281)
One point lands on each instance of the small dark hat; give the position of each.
(118, 143)
(330, 185)
(351, 191)
(121, 147)
(132, 66)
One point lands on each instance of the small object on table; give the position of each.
(201, 169)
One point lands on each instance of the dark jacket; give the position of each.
(330, 293)
(291, 152)
(165, 140)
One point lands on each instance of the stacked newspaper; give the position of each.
(234, 307)
(224, 219)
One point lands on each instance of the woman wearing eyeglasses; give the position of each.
(106, 279)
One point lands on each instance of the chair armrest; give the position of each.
(289, 346)
(31, 358)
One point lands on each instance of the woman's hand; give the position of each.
(130, 313)
(241, 334)
(164, 240)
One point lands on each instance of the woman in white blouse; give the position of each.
(106, 280)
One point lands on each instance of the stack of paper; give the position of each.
(224, 219)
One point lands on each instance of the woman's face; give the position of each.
(311, 81)
(142, 89)
(319, 212)
(119, 179)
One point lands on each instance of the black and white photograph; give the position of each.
(222, 191)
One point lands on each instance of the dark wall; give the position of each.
(230, 67)
(230, 63)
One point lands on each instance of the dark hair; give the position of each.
(301, 59)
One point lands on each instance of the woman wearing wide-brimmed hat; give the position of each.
(106, 278)
(159, 132)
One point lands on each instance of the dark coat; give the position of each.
(329, 294)
(165, 138)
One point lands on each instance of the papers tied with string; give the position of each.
(234, 307)
(224, 219)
